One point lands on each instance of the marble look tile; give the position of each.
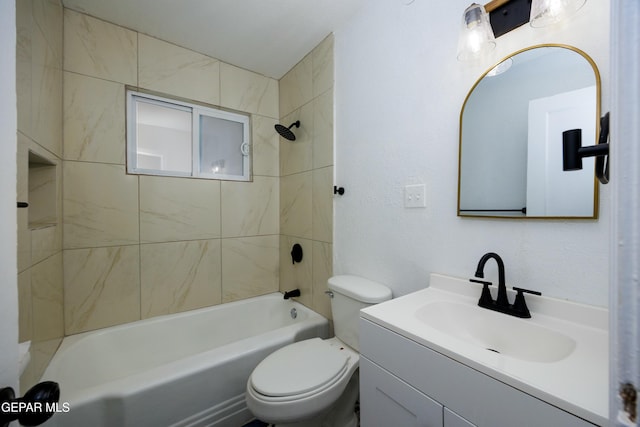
(99, 49)
(24, 12)
(179, 276)
(47, 299)
(22, 194)
(250, 208)
(101, 287)
(24, 240)
(175, 209)
(250, 267)
(45, 241)
(246, 91)
(25, 313)
(322, 271)
(298, 275)
(322, 56)
(265, 146)
(323, 130)
(296, 87)
(47, 32)
(94, 119)
(41, 354)
(96, 214)
(46, 107)
(322, 204)
(296, 205)
(297, 156)
(174, 70)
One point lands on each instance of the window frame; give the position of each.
(197, 111)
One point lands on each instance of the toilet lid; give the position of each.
(298, 368)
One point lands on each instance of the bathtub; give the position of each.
(187, 369)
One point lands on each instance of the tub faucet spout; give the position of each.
(291, 294)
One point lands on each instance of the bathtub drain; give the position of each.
(294, 313)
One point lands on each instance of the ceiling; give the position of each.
(265, 36)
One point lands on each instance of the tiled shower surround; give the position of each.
(306, 171)
(128, 247)
(139, 246)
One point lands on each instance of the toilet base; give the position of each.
(340, 414)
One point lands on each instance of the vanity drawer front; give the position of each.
(385, 400)
(473, 395)
(451, 419)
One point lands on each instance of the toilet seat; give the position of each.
(298, 370)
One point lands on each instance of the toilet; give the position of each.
(315, 382)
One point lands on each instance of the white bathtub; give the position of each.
(187, 369)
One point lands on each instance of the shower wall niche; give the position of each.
(42, 192)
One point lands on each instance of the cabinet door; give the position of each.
(451, 419)
(386, 400)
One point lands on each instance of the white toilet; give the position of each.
(315, 382)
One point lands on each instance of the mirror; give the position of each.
(511, 124)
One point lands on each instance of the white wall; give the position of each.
(399, 90)
(8, 257)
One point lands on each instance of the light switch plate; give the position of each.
(414, 196)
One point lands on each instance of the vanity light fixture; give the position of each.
(476, 36)
(547, 12)
(482, 24)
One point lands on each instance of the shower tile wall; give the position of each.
(39, 105)
(306, 176)
(141, 246)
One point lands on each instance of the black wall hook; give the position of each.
(338, 190)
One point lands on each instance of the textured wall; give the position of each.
(8, 119)
(399, 90)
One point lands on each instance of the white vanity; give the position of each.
(434, 358)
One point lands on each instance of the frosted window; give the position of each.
(221, 144)
(175, 138)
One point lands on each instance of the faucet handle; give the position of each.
(529, 291)
(486, 299)
(520, 305)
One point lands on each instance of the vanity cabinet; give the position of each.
(406, 383)
(386, 400)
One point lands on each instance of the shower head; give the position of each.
(286, 132)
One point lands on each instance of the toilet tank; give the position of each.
(350, 295)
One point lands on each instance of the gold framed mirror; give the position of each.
(511, 124)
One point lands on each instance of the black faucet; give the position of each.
(291, 294)
(518, 308)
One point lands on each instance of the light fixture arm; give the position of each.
(573, 151)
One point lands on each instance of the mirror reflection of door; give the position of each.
(550, 190)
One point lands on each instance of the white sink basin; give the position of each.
(496, 332)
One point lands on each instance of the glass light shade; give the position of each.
(547, 12)
(476, 35)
